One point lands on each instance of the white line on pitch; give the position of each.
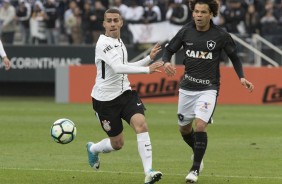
(124, 172)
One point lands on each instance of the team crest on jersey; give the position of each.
(180, 117)
(211, 44)
(106, 125)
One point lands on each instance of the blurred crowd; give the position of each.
(80, 21)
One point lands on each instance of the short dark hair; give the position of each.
(213, 5)
(112, 10)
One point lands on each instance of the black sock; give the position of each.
(190, 139)
(201, 141)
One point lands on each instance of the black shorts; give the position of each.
(111, 113)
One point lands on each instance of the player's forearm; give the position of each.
(167, 55)
(143, 62)
(127, 69)
(237, 64)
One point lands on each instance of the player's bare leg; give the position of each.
(139, 124)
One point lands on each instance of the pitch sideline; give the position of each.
(122, 172)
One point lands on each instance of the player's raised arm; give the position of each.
(169, 69)
(156, 49)
(170, 49)
(147, 60)
(155, 66)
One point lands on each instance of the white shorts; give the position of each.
(196, 104)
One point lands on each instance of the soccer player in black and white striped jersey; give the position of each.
(203, 42)
(113, 99)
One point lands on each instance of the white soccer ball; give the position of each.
(63, 131)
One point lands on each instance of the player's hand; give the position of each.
(154, 67)
(169, 69)
(7, 63)
(156, 49)
(247, 84)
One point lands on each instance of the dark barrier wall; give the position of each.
(37, 63)
(33, 67)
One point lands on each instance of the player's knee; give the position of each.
(142, 127)
(185, 129)
(117, 145)
(139, 125)
(200, 125)
(200, 129)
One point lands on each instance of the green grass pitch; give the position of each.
(244, 146)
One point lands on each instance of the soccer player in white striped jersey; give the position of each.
(4, 57)
(114, 100)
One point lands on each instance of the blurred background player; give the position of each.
(4, 57)
(7, 22)
(203, 43)
(23, 13)
(113, 99)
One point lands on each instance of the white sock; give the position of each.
(145, 150)
(104, 146)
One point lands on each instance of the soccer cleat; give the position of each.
(192, 177)
(201, 166)
(153, 176)
(93, 158)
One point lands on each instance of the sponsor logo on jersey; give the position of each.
(211, 44)
(199, 81)
(199, 54)
(272, 94)
(106, 125)
(108, 48)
